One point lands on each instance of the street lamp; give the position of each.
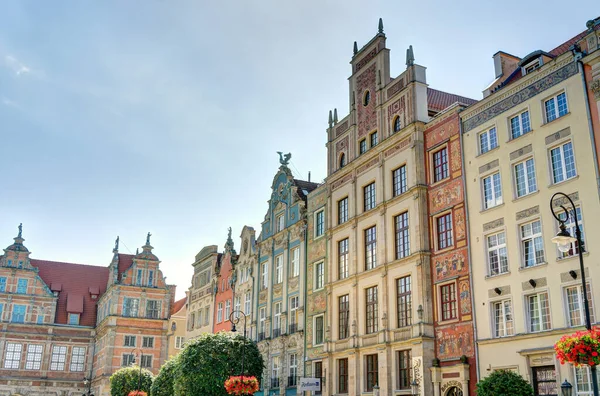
(566, 388)
(234, 318)
(88, 384)
(414, 386)
(564, 239)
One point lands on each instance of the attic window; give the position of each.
(528, 68)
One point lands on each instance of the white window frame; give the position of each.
(179, 341)
(295, 262)
(247, 303)
(277, 308)
(58, 358)
(488, 134)
(496, 248)
(77, 359)
(495, 190)
(556, 115)
(276, 366)
(237, 305)
(280, 222)
(543, 326)
(293, 367)
(532, 238)
(522, 130)
(319, 275)
(322, 317)
(319, 231)
(12, 355)
(220, 313)
(146, 361)
(262, 320)
(563, 175)
(506, 330)
(579, 304)
(227, 310)
(531, 186)
(294, 304)
(279, 268)
(581, 374)
(33, 359)
(264, 275)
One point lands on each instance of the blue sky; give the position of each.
(123, 117)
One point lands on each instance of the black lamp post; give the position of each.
(88, 384)
(566, 388)
(564, 239)
(234, 318)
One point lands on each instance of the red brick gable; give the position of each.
(76, 280)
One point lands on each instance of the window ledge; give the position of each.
(575, 256)
(497, 275)
(449, 321)
(560, 183)
(491, 208)
(520, 136)
(489, 151)
(526, 196)
(444, 250)
(445, 179)
(544, 264)
(556, 119)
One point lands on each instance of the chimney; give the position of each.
(504, 64)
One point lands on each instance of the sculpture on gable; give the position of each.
(284, 159)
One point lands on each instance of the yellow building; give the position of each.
(177, 329)
(529, 138)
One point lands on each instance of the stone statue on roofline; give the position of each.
(284, 159)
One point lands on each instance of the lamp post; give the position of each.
(88, 384)
(563, 240)
(234, 318)
(566, 388)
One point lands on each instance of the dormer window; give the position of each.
(74, 319)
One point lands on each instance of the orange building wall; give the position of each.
(224, 294)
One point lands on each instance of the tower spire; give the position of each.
(335, 117)
(355, 48)
(380, 28)
(330, 119)
(410, 56)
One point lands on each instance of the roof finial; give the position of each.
(330, 119)
(148, 239)
(116, 249)
(137, 251)
(20, 231)
(410, 56)
(380, 26)
(284, 159)
(355, 48)
(335, 118)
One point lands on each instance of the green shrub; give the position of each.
(504, 383)
(127, 379)
(207, 361)
(163, 383)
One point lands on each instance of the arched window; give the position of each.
(397, 125)
(367, 98)
(342, 160)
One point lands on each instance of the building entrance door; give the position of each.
(454, 391)
(544, 381)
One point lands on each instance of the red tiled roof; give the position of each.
(125, 261)
(74, 303)
(439, 100)
(177, 305)
(76, 279)
(564, 47)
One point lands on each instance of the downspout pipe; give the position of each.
(577, 54)
(464, 180)
(305, 290)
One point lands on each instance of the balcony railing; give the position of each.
(274, 382)
(292, 381)
(292, 328)
(276, 333)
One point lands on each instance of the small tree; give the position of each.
(207, 361)
(163, 383)
(504, 383)
(126, 379)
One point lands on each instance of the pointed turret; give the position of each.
(410, 56)
(335, 116)
(355, 48)
(380, 28)
(330, 119)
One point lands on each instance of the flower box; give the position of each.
(581, 348)
(241, 385)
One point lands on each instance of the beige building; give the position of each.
(375, 279)
(200, 306)
(177, 329)
(244, 276)
(529, 138)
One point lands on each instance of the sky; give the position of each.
(165, 116)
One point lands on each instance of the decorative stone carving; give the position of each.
(489, 166)
(595, 87)
(493, 224)
(561, 201)
(528, 212)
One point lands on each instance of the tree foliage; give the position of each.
(127, 379)
(504, 383)
(207, 361)
(163, 383)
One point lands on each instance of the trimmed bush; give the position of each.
(163, 383)
(125, 380)
(504, 383)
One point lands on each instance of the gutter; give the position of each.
(305, 288)
(466, 202)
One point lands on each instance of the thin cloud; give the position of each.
(16, 66)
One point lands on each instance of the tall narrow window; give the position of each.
(319, 275)
(397, 124)
(150, 278)
(279, 268)
(503, 319)
(293, 322)
(519, 125)
(2, 284)
(448, 293)
(146, 361)
(538, 312)
(139, 277)
(319, 223)
(293, 370)
(371, 325)
(277, 320)
(372, 372)
(575, 305)
(556, 107)
(77, 358)
(22, 286)
(404, 301)
(343, 375)
(220, 313)
(33, 359)
(497, 255)
(404, 362)
(401, 235)
(440, 165)
(492, 190)
(444, 231)
(370, 248)
(343, 210)
(362, 146)
(280, 222)
(488, 140)
(532, 244)
(59, 357)
(343, 258)
(343, 316)
(563, 162)
(237, 306)
(570, 225)
(275, 372)
(262, 321)
(342, 160)
(264, 276)
(374, 139)
(583, 381)
(525, 177)
(369, 196)
(295, 264)
(247, 303)
(12, 357)
(319, 330)
(399, 181)
(227, 310)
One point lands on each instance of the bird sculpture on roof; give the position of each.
(284, 159)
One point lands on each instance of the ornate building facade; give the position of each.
(177, 328)
(224, 284)
(201, 294)
(529, 138)
(245, 278)
(279, 290)
(73, 322)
